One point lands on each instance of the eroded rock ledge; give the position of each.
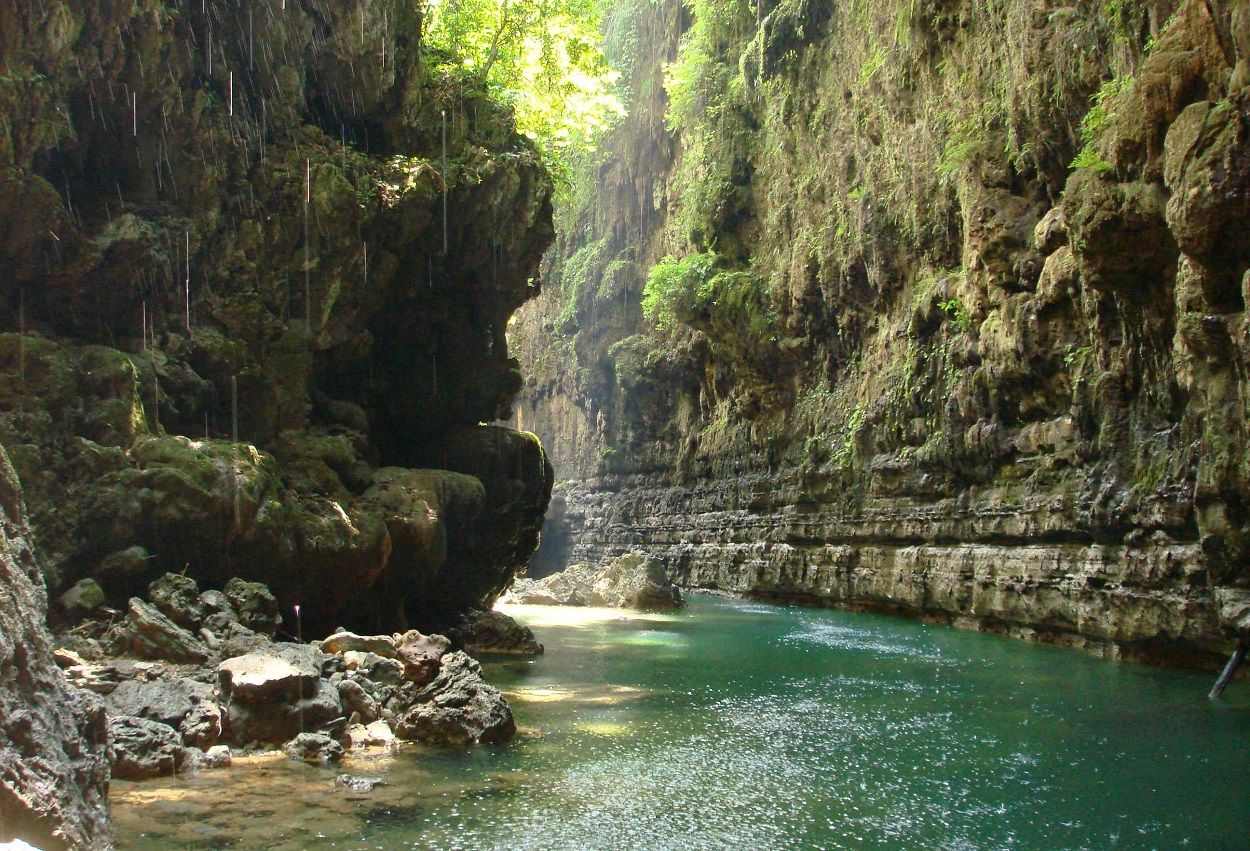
(1029, 570)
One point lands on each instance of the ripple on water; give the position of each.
(834, 636)
(791, 729)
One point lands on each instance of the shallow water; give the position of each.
(751, 726)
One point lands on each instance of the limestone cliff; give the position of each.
(257, 264)
(53, 769)
(944, 315)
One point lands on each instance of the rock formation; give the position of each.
(921, 338)
(251, 343)
(169, 710)
(631, 581)
(53, 769)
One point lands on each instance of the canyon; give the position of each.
(929, 308)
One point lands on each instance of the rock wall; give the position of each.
(53, 767)
(255, 305)
(945, 316)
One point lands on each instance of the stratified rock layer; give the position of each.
(954, 352)
(53, 769)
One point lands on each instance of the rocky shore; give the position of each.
(188, 677)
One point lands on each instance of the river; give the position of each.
(741, 725)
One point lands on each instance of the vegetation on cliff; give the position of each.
(982, 255)
(262, 258)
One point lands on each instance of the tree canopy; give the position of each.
(545, 57)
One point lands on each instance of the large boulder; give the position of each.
(275, 673)
(276, 693)
(140, 749)
(457, 708)
(631, 581)
(482, 631)
(166, 701)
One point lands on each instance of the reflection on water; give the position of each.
(750, 726)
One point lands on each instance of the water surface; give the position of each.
(742, 725)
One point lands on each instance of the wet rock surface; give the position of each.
(347, 691)
(457, 708)
(631, 581)
(53, 764)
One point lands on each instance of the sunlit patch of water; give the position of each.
(766, 728)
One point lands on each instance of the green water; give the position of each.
(737, 725)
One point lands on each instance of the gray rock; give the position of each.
(342, 642)
(377, 734)
(140, 749)
(457, 708)
(215, 603)
(82, 599)
(482, 631)
(218, 756)
(204, 726)
(238, 640)
(255, 606)
(314, 748)
(178, 598)
(280, 672)
(276, 693)
(274, 723)
(358, 701)
(149, 634)
(166, 701)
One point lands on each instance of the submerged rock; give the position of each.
(629, 582)
(358, 785)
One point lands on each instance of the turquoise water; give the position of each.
(740, 725)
